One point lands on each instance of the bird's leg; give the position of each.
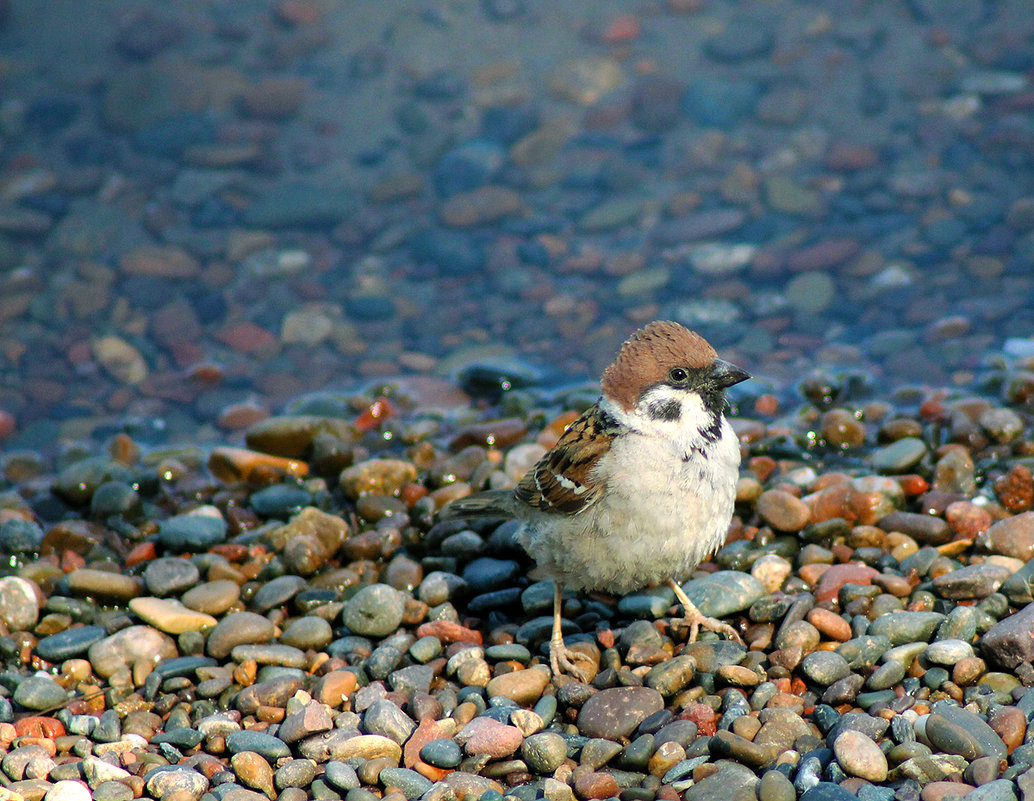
(694, 618)
(560, 657)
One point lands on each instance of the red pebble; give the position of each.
(913, 485)
(144, 552)
(39, 727)
(447, 632)
(375, 415)
(839, 575)
(703, 716)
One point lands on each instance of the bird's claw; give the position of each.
(562, 660)
(697, 622)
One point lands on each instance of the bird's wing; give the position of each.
(563, 481)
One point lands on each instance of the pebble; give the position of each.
(860, 756)
(235, 629)
(170, 616)
(19, 607)
(958, 731)
(374, 611)
(616, 712)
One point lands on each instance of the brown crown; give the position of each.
(646, 357)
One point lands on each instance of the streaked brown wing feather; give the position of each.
(562, 481)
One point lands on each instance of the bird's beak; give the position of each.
(725, 375)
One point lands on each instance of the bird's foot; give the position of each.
(696, 620)
(562, 660)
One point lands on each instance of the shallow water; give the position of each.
(209, 209)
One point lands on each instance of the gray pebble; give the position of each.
(374, 611)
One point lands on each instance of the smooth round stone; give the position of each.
(374, 611)
(671, 675)
(900, 456)
(508, 652)
(213, 597)
(170, 616)
(175, 781)
(775, 786)
(825, 667)
(114, 498)
(182, 738)
(279, 501)
(954, 730)
(616, 712)
(170, 576)
(254, 771)
(193, 533)
(308, 632)
(444, 753)
(411, 783)
(268, 746)
(724, 593)
(783, 511)
(68, 790)
(277, 592)
(947, 652)
(860, 756)
(297, 773)
(112, 791)
(342, 776)
(39, 693)
(649, 604)
(239, 628)
(18, 535)
(19, 605)
(887, 675)
(129, 646)
(523, 686)
(544, 752)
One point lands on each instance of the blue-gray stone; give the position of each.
(902, 627)
(40, 693)
(445, 753)
(724, 593)
(411, 783)
(171, 575)
(191, 532)
(341, 775)
(280, 501)
(69, 643)
(277, 592)
(183, 665)
(486, 574)
(272, 748)
(182, 738)
(18, 535)
(955, 730)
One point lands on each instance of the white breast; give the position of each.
(669, 499)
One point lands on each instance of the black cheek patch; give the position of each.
(669, 410)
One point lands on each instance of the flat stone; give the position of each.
(175, 781)
(270, 747)
(1013, 536)
(724, 593)
(616, 712)
(954, 730)
(40, 693)
(212, 597)
(103, 584)
(170, 576)
(238, 628)
(170, 616)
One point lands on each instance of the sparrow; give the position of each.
(640, 488)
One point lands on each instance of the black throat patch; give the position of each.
(669, 410)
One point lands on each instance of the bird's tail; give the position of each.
(491, 503)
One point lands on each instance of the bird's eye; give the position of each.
(678, 375)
